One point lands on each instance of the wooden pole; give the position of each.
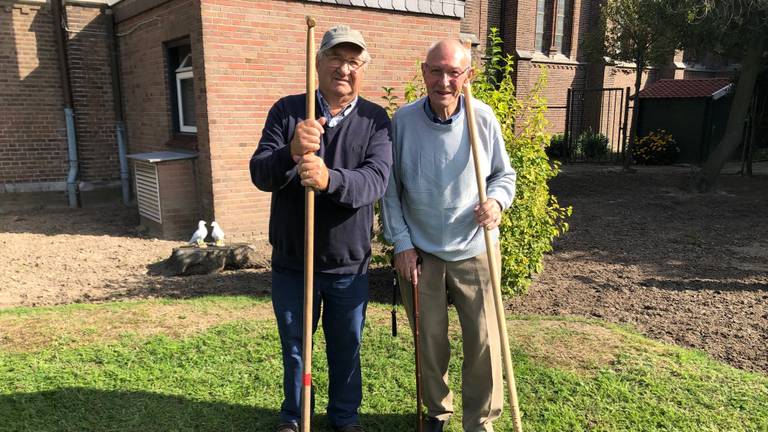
(492, 264)
(417, 350)
(309, 248)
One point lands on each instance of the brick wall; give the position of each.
(567, 70)
(91, 78)
(476, 21)
(254, 54)
(146, 91)
(32, 131)
(33, 147)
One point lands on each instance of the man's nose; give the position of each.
(345, 68)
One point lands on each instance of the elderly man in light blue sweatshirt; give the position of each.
(431, 213)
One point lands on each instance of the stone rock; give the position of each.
(193, 260)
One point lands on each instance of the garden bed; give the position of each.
(685, 268)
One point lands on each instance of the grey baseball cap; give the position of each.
(341, 34)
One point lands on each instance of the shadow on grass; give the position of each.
(82, 409)
(254, 283)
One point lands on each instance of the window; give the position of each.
(181, 80)
(559, 25)
(541, 16)
(553, 21)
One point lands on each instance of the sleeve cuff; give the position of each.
(403, 244)
(334, 181)
(504, 205)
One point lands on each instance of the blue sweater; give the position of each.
(358, 154)
(432, 192)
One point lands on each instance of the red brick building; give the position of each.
(33, 145)
(196, 79)
(193, 80)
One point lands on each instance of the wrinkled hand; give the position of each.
(306, 137)
(407, 265)
(488, 214)
(312, 171)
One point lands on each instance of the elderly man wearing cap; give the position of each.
(345, 155)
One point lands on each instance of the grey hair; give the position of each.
(364, 56)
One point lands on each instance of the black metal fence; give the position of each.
(597, 123)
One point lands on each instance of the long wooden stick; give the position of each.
(309, 248)
(492, 264)
(417, 351)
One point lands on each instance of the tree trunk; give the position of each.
(750, 68)
(635, 111)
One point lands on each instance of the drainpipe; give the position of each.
(118, 107)
(58, 32)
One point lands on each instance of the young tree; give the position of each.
(643, 32)
(737, 29)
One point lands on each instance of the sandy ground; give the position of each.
(685, 268)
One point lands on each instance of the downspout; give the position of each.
(118, 107)
(58, 32)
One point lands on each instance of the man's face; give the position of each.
(341, 70)
(445, 72)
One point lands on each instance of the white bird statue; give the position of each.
(217, 233)
(199, 236)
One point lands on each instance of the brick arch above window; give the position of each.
(448, 8)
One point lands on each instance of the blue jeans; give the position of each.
(344, 299)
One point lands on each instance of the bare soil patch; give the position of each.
(681, 267)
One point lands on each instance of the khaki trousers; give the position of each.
(469, 284)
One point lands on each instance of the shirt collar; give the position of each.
(331, 119)
(432, 116)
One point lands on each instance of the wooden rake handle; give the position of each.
(492, 263)
(309, 248)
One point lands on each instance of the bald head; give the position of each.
(448, 50)
(445, 71)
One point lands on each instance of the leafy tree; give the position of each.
(644, 32)
(737, 29)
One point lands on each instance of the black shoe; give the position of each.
(348, 428)
(433, 425)
(287, 427)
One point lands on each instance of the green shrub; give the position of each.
(558, 147)
(657, 148)
(592, 145)
(536, 218)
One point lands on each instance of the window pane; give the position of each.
(540, 15)
(187, 92)
(560, 25)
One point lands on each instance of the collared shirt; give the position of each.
(333, 120)
(432, 116)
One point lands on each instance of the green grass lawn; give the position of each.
(213, 364)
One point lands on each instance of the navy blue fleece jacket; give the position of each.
(358, 154)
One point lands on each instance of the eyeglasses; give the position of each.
(437, 73)
(338, 62)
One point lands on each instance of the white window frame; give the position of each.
(184, 71)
